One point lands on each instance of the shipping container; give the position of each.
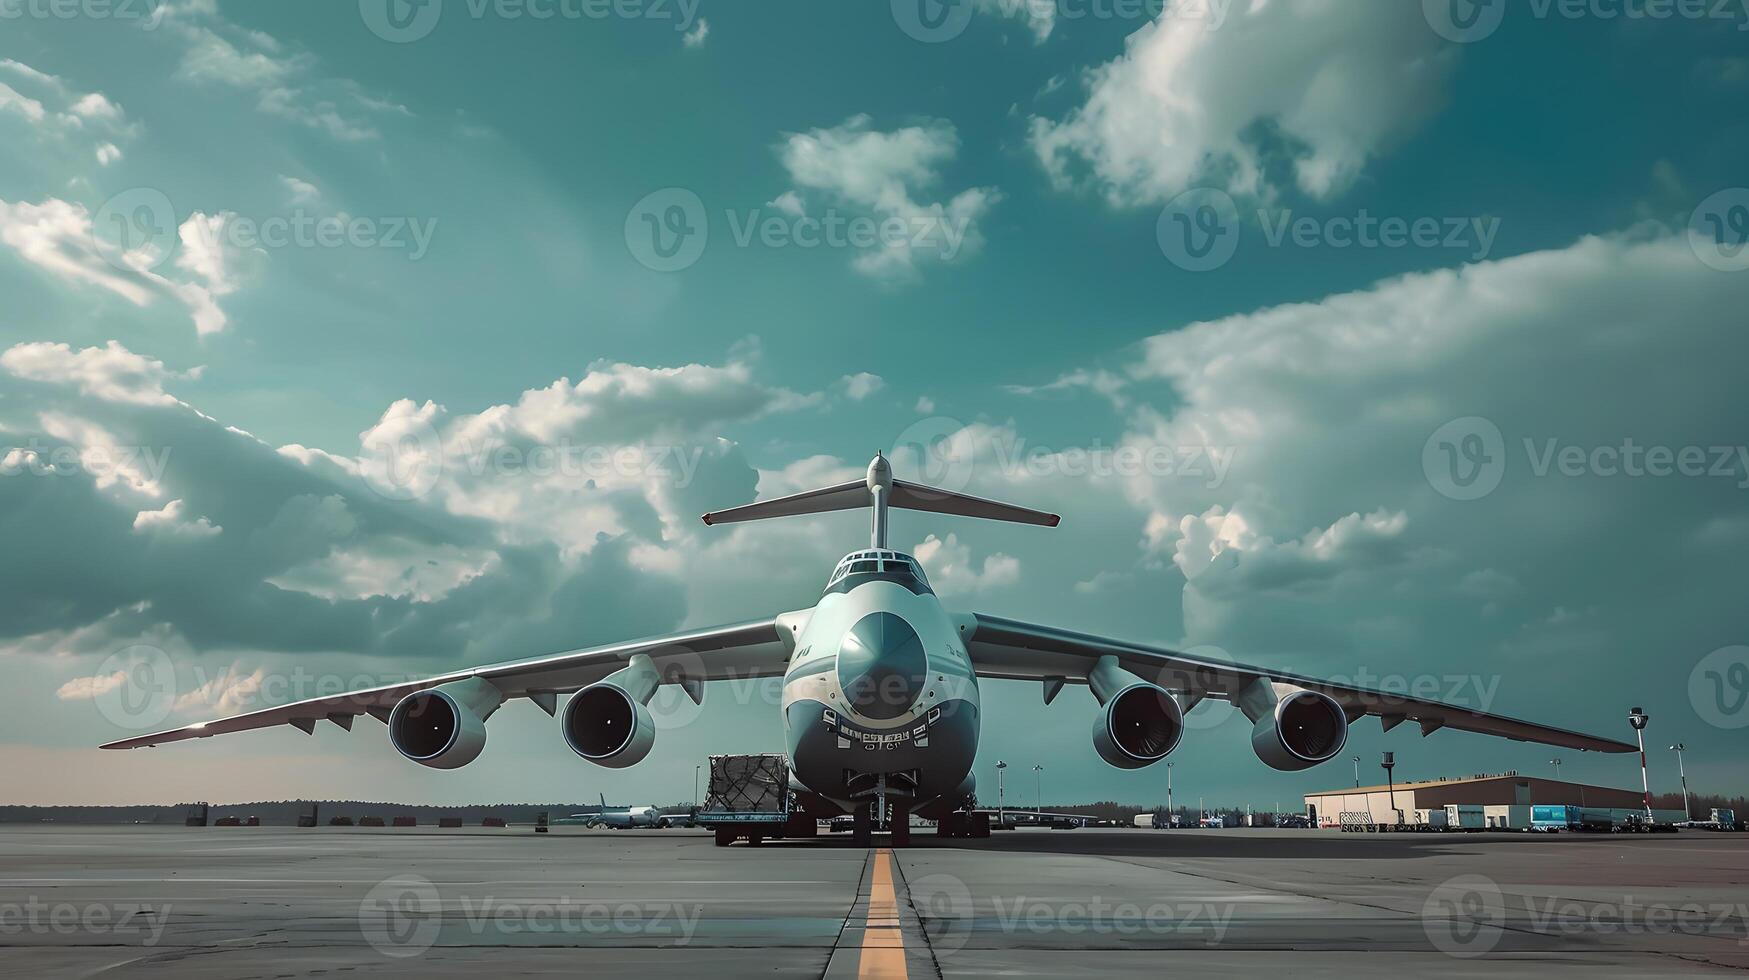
(1464, 816)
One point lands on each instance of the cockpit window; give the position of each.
(889, 565)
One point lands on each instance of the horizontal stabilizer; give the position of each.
(915, 496)
(845, 496)
(909, 496)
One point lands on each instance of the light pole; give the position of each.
(1001, 792)
(1357, 772)
(1638, 719)
(1038, 782)
(1390, 762)
(1557, 764)
(1171, 817)
(1678, 748)
(696, 801)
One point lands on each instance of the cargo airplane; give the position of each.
(880, 685)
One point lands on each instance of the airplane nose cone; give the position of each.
(882, 666)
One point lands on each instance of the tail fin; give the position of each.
(604, 801)
(879, 490)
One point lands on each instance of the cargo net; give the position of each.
(748, 784)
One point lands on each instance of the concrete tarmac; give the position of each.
(280, 902)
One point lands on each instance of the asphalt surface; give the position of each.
(280, 902)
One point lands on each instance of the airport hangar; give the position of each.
(1494, 793)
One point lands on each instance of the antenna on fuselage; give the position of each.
(880, 492)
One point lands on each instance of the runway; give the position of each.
(281, 902)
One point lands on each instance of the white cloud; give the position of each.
(111, 372)
(107, 153)
(86, 688)
(173, 518)
(695, 38)
(882, 173)
(95, 106)
(925, 405)
(861, 385)
(11, 101)
(951, 570)
(58, 236)
(1328, 84)
(300, 191)
(1039, 16)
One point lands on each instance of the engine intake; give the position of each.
(608, 723)
(1139, 723)
(1304, 729)
(444, 727)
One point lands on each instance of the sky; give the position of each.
(350, 342)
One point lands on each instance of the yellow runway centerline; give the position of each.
(883, 948)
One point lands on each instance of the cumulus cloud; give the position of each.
(111, 372)
(58, 237)
(952, 571)
(1321, 87)
(861, 385)
(881, 174)
(695, 38)
(173, 518)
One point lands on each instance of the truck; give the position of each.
(1723, 818)
(750, 798)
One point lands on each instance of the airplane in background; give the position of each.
(880, 685)
(620, 817)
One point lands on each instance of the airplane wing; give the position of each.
(1005, 648)
(746, 650)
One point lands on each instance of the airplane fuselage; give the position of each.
(880, 696)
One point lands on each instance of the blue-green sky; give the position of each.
(1288, 417)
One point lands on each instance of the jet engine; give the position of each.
(608, 722)
(1139, 723)
(444, 727)
(1299, 730)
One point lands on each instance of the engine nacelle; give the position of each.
(444, 727)
(608, 723)
(1304, 729)
(1139, 723)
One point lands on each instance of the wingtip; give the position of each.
(707, 518)
(1055, 519)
